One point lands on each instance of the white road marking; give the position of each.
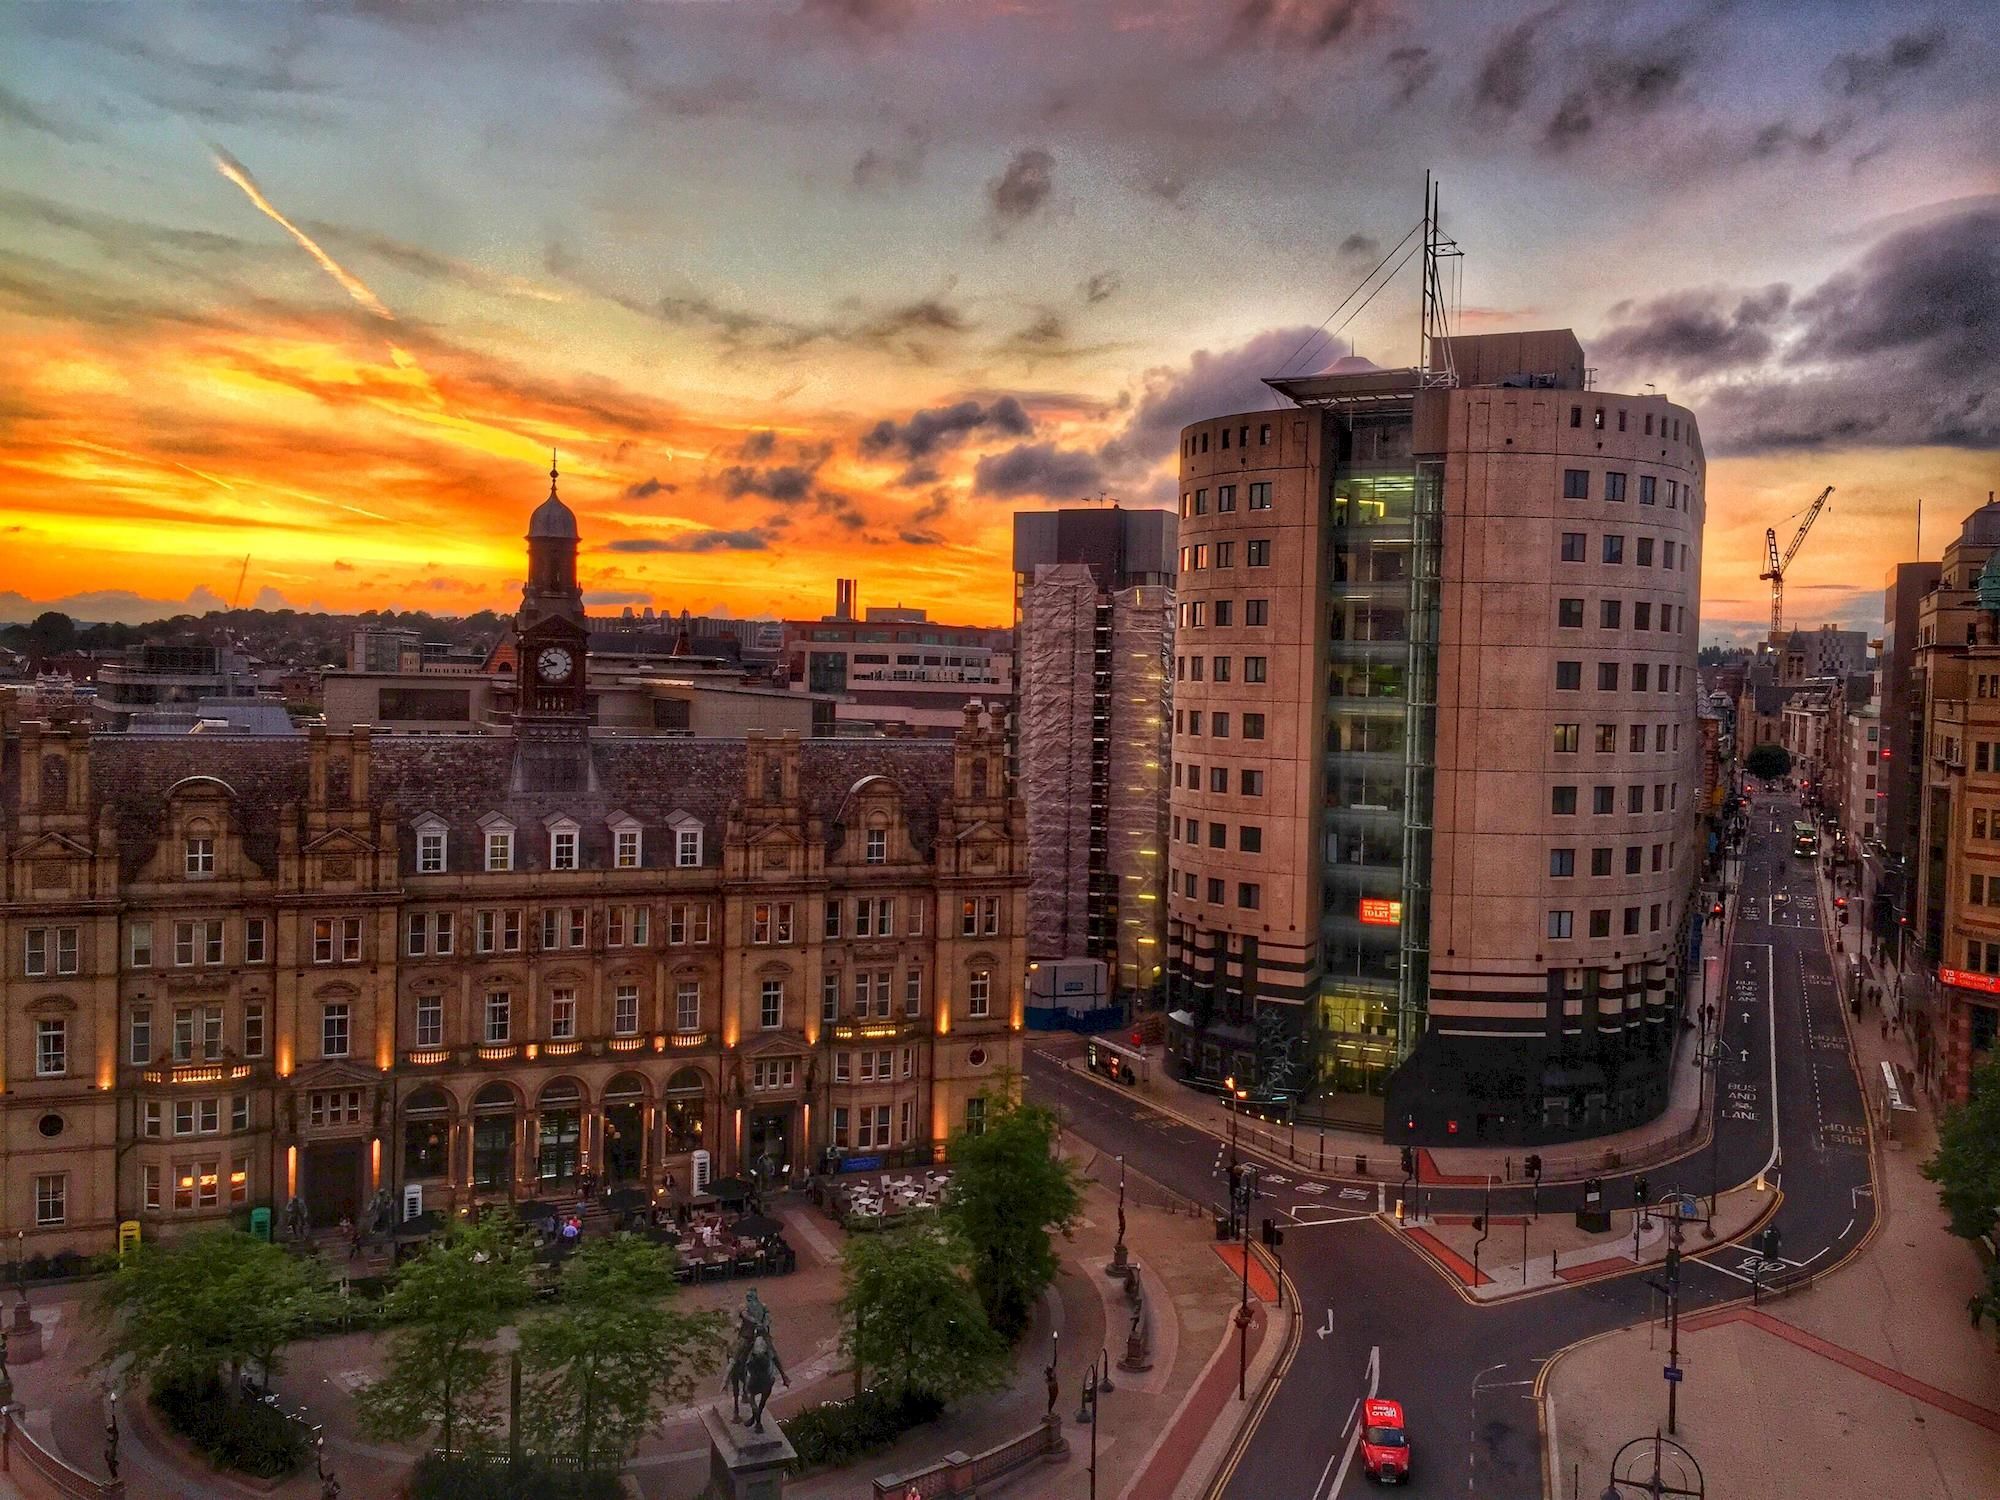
(1843, 1233)
(1353, 1429)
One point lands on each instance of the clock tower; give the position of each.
(551, 637)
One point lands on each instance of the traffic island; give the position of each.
(1513, 1256)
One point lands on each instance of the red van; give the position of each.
(1385, 1448)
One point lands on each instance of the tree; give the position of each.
(605, 1365)
(1966, 1168)
(217, 1301)
(450, 1303)
(51, 634)
(1768, 762)
(912, 1318)
(1009, 1190)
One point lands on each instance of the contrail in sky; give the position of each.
(353, 285)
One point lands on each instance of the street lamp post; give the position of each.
(1119, 1265)
(1244, 1191)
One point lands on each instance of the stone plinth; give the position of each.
(745, 1465)
(24, 1336)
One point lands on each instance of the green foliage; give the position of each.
(839, 1432)
(1769, 762)
(483, 1477)
(911, 1318)
(1009, 1191)
(448, 1304)
(209, 1302)
(1966, 1167)
(603, 1366)
(247, 1436)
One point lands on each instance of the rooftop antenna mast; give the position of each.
(1434, 361)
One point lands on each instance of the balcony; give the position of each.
(204, 1072)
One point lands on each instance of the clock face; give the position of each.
(554, 664)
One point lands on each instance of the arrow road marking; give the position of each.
(1312, 1187)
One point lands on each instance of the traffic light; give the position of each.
(1273, 1235)
(1639, 1191)
(1534, 1165)
(1409, 1162)
(1772, 1240)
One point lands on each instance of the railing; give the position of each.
(19, 1452)
(1379, 1160)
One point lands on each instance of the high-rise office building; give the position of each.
(1094, 616)
(1435, 761)
(1949, 997)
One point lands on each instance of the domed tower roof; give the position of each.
(552, 520)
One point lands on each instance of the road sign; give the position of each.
(1673, 1374)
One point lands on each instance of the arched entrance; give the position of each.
(684, 1112)
(426, 1135)
(494, 1111)
(625, 1130)
(558, 1147)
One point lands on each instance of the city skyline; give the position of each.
(272, 287)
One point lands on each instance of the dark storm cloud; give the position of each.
(15, 110)
(1690, 333)
(1507, 73)
(1024, 187)
(1877, 75)
(751, 539)
(1209, 384)
(1901, 349)
(786, 483)
(941, 426)
(1102, 286)
(759, 445)
(1624, 87)
(645, 489)
(897, 165)
(1312, 24)
(866, 17)
(1040, 469)
(1414, 68)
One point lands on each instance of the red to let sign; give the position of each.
(1965, 979)
(1377, 911)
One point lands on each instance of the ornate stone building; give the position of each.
(238, 969)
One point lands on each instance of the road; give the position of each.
(1791, 1107)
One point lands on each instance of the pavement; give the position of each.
(1871, 1382)
(1353, 1155)
(1157, 1426)
(1377, 1316)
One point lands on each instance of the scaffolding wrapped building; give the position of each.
(1095, 619)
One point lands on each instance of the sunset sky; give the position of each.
(832, 288)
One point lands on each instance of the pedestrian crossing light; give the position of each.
(1639, 1190)
(1409, 1162)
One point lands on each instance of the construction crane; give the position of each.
(241, 574)
(1775, 573)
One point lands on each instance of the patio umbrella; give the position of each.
(730, 1189)
(756, 1227)
(421, 1226)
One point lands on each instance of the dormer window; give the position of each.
(687, 841)
(199, 856)
(627, 843)
(878, 846)
(431, 846)
(563, 844)
(499, 837)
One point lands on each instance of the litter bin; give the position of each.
(1221, 1227)
(260, 1223)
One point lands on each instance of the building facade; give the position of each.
(1094, 625)
(1437, 868)
(897, 669)
(241, 970)
(1950, 947)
